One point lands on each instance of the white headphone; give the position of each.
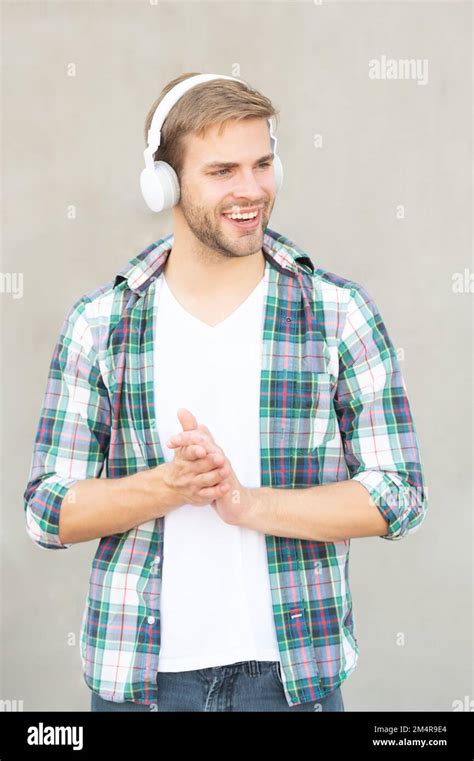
(158, 181)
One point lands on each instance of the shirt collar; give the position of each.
(279, 250)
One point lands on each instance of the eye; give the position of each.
(223, 172)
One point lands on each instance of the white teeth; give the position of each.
(250, 215)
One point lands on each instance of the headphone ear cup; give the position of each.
(160, 186)
(278, 168)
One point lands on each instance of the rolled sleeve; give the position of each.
(375, 419)
(43, 500)
(72, 437)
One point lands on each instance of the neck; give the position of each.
(193, 267)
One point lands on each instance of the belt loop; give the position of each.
(254, 668)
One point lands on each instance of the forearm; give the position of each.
(327, 513)
(97, 507)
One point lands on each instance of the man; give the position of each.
(252, 417)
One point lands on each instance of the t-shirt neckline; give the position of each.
(213, 328)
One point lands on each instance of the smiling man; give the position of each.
(252, 417)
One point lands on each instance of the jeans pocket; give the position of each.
(276, 673)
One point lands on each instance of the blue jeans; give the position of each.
(243, 686)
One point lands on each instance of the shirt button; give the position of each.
(151, 619)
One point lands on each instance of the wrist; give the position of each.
(253, 513)
(156, 487)
(169, 495)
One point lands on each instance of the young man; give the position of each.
(252, 416)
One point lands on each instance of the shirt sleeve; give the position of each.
(375, 419)
(72, 437)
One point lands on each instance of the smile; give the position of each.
(245, 221)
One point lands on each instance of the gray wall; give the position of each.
(78, 141)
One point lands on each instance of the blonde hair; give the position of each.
(204, 105)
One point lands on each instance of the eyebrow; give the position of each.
(230, 164)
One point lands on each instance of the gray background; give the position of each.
(79, 141)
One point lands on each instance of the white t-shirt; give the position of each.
(216, 605)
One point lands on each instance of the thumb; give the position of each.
(187, 419)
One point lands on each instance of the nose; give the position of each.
(248, 186)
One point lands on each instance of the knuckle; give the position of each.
(206, 479)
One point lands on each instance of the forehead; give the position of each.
(243, 137)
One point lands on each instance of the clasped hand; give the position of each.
(203, 475)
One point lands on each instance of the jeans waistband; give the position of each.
(252, 668)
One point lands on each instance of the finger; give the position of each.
(193, 452)
(205, 429)
(214, 492)
(212, 477)
(186, 438)
(210, 462)
(191, 437)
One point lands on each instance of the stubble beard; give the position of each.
(207, 227)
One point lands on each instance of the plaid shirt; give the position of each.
(333, 406)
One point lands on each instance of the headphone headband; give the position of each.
(172, 97)
(169, 100)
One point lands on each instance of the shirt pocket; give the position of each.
(322, 420)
